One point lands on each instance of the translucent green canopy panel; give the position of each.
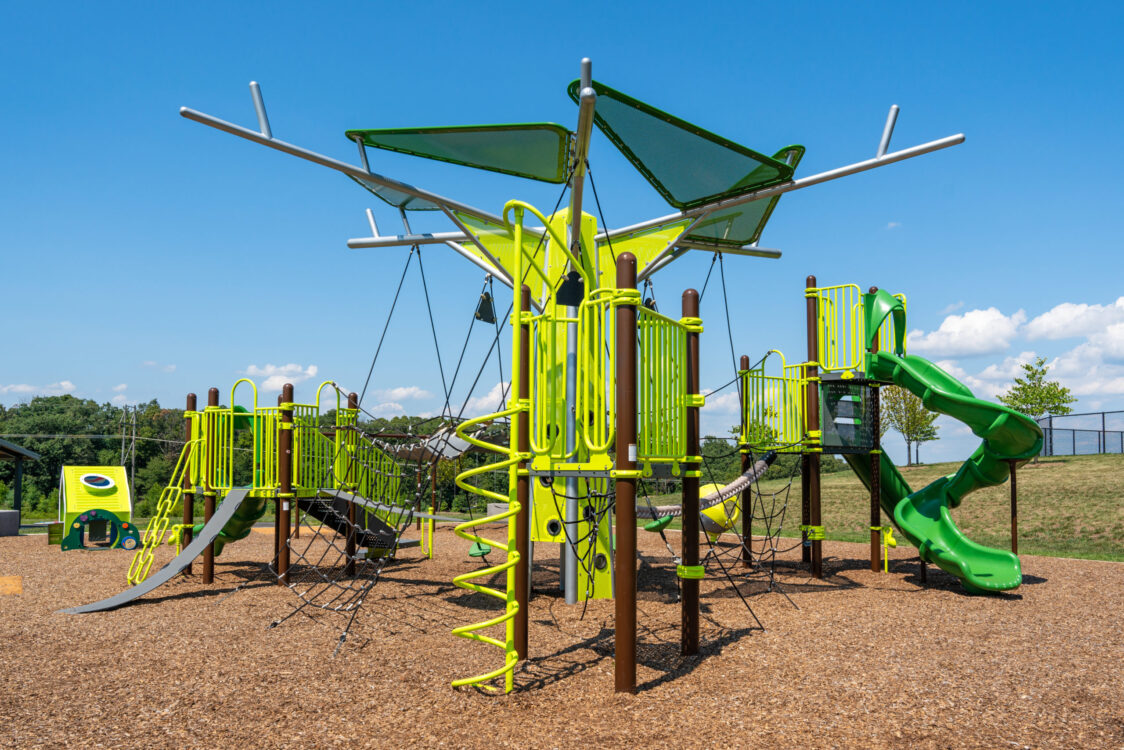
(743, 224)
(535, 150)
(397, 198)
(689, 166)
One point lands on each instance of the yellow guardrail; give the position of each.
(841, 328)
(661, 387)
(773, 406)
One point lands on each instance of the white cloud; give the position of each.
(277, 376)
(1075, 319)
(120, 399)
(893, 225)
(975, 332)
(1110, 341)
(53, 389)
(1009, 369)
(158, 366)
(402, 393)
(952, 307)
(1085, 372)
(489, 402)
(386, 409)
(120, 387)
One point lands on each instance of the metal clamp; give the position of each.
(690, 572)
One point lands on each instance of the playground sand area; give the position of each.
(868, 659)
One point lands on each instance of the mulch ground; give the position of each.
(866, 660)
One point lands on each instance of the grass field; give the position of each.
(1069, 506)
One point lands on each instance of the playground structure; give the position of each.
(830, 404)
(605, 387)
(294, 464)
(95, 506)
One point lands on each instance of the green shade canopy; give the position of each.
(689, 166)
(535, 150)
(397, 198)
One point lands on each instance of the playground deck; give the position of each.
(869, 660)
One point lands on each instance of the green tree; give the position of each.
(1034, 395)
(905, 412)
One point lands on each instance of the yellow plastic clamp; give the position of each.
(695, 401)
(625, 474)
(690, 572)
(812, 533)
(693, 473)
(693, 325)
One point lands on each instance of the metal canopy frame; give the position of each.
(587, 99)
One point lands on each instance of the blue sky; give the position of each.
(147, 256)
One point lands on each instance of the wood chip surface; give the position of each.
(868, 660)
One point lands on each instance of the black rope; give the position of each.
(386, 326)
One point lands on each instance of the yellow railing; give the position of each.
(661, 387)
(773, 406)
(841, 328)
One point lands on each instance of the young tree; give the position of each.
(905, 413)
(1034, 395)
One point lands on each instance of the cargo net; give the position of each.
(768, 483)
(343, 538)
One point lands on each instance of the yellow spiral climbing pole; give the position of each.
(464, 531)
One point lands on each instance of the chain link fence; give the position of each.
(1083, 434)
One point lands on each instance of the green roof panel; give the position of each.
(689, 166)
(535, 150)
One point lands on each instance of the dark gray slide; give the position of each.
(205, 536)
(371, 505)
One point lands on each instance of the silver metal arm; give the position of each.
(259, 108)
(329, 162)
(788, 187)
(887, 131)
(407, 240)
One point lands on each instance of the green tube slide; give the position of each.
(252, 508)
(923, 516)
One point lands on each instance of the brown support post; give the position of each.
(805, 504)
(285, 480)
(188, 493)
(349, 568)
(875, 468)
(277, 516)
(812, 426)
(1014, 509)
(624, 646)
(523, 484)
(209, 491)
(689, 539)
(747, 493)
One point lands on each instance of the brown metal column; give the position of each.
(349, 567)
(875, 467)
(188, 493)
(285, 480)
(624, 645)
(812, 426)
(277, 514)
(209, 491)
(747, 493)
(523, 483)
(1014, 510)
(689, 539)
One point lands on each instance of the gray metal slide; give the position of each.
(205, 536)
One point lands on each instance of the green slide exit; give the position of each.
(923, 516)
